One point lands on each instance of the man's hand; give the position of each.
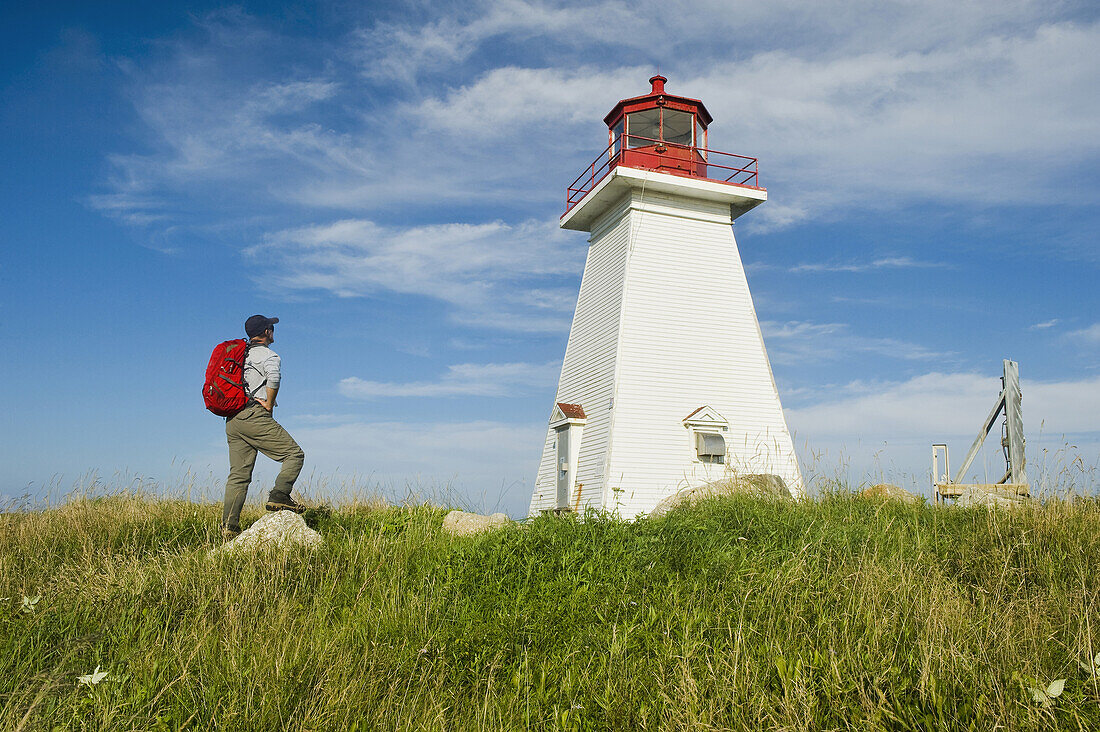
(269, 403)
(264, 403)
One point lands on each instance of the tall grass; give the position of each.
(741, 613)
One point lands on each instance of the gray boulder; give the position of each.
(889, 491)
(462, 523)
(279, 529)
(763, 485)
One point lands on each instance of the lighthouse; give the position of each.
(666, 382)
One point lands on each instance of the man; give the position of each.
(254, 429)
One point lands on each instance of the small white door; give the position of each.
(565, 472)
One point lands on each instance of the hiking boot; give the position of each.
(229, 533)
(283, 502)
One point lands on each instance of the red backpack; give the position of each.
(224, 390)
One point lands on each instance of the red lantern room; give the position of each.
(666, 134)
(659, 131)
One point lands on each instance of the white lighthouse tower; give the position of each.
(666, 383)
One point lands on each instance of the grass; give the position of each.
(740, 613)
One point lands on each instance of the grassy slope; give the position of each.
(739, 614)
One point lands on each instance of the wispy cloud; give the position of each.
(394, 52)
(516, 101)
(1089, 335)
(467, 379)
(1045, 324)
(794, 342)
(877, 264)
(881, 263)
(494, 273)
(937, 405)
(933, 123)
(892, 109)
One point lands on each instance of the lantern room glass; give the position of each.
(676, 127)
(642, 128)
(667, 125)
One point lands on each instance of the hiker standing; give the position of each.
(254, 429)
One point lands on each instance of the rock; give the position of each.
(281, 529)
(990, 498)
(461, 523)
(889, 491)
(764, 485)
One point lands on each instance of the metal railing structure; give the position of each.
(667, 157)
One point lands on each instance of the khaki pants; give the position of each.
(253, 430)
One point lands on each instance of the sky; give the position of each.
(387, 177)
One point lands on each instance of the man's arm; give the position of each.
(269, 403)
(273, 372)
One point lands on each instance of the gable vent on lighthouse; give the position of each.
(664, 325)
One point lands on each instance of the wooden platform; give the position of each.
(954, 490)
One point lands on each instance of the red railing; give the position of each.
(665, 157)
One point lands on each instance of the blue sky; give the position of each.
(387, 177)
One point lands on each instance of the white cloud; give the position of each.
(949, 405)
(1045, 324)
(510, 101)
(491, 272)
(931, 405)
(225, 150)
(466, 379)
(795, 342)
(871, 431)
(394, 52)
(945, 123)
(778, 215)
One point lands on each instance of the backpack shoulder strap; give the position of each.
(251, 394)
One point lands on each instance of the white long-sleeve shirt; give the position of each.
(262, 371)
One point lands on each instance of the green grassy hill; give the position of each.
(741, 613)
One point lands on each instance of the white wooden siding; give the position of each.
(588, 371)
(688, 337)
